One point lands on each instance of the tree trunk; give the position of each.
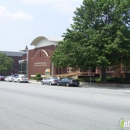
(103, 74)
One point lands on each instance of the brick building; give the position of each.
(16, 56)
(39, 58)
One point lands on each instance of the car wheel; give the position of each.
(67, 84)
(50, 83)
(42, 83)
(57, 84)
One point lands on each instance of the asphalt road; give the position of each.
(42, 107)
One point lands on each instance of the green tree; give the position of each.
(99, 36)
(5, 63)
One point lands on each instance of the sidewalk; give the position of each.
(34, 81)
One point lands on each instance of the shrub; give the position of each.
(38, 77)
(33, 78)
(118, 80)
(97, 79)
(80, 79)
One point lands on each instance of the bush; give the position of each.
(38, 77)
(81, 79)
(109, 80)
(33, 78)
(87, 79)
(119, 80)
(97, 79)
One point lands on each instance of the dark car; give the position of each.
(68, 82)
(2, 78)
(50, 80)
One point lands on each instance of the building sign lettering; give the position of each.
(40, 64)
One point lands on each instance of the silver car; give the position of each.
(50, 80)
(20, 78)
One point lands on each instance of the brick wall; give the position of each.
(15, 69)
(40, 60)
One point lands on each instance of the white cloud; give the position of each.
(20, 15)
(66, 6)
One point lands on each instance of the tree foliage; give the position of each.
(5, 63)
(99, 36)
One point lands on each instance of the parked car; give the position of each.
(2, 78)
(9, 78)
(50, 80)
(20, 78)
(68, 82)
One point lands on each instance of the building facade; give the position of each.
(39, 58)
(16, 56)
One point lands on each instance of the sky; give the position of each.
(21, 21)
